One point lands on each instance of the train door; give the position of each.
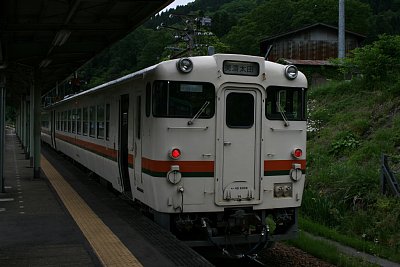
(137, 140)
(53, 128)
(241, 146)
(123, 143)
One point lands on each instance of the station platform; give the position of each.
(67, 218)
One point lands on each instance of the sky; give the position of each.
(177, 3)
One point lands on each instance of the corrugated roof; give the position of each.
(52, 38)
(307, 62)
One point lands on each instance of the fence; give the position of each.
(388, 179)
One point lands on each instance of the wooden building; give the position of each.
(310, 49)
(315, 42)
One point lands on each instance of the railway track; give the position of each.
(280, 255)
(284, 256)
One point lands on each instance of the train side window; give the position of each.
(85, 121)
(148, 99)
(61, 121)
(79, 121)
(138, 116)
(183, 99)
(287, 101)
(73, 120)
(69, 120)
(65, 120)
(45, 120)
(107, 121)
(92, 121)
(100, 121)
(57, 121)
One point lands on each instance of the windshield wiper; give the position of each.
(278, 105)
(201, 110)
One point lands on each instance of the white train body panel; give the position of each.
(227, 161)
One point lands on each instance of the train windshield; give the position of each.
(286, 102)
(183, 99)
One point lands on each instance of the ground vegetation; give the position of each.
(355, 122)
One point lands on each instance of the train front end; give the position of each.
(237, 162)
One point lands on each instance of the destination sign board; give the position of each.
(241, 68)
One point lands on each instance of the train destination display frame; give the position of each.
(241, 68)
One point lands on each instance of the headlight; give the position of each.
(296, 172)
(184, 65)
(174, 176)
(291, 72)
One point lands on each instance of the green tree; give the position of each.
(153, 48)
(229, 14)
(268, 18)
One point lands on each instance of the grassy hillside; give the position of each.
(353, 123)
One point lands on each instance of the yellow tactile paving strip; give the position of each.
(107, 246)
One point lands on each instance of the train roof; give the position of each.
(132, 76)
(141, 73)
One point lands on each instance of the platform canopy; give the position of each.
(55, 37)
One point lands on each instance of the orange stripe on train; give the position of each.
(279, 165)
(108, 152)
(184, 166)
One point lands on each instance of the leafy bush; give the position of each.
(377, 61)
(344, 141)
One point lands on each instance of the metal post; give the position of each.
(18, 129)
(383, 180)
(36, 128)
(31, 136)
(2, 128)
(16, 122)
(19, 122)
(341, 37)
(27, 128)
(23, 119)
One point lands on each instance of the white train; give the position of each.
(213, 146)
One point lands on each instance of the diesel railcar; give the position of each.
(214, 147)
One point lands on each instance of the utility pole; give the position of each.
(190, 30)
(341, 36)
